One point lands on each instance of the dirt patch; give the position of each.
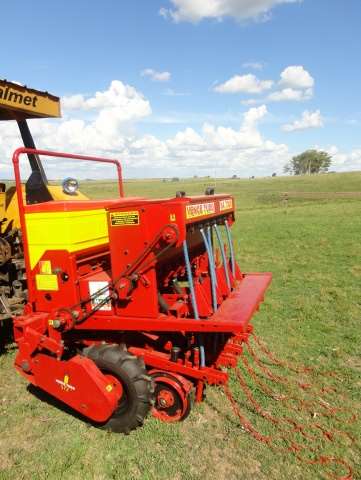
(354, 362)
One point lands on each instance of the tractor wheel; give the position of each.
(138, 388)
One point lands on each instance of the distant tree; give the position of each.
(309, 162)
(195, 176)
(175, 179)
(274, 174)
(234, 176)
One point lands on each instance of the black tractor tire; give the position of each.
(138, 387)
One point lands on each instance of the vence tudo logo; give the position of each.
(65, 385)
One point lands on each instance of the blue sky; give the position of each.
(178, 115)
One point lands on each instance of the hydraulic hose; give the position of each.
(210, 244)
(193, 299)
(223, 254)
(211, 270)
(231, 250)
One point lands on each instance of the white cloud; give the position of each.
(254, 115)
(308, 120)
(172, 93)
(185, 153)
(344, 161)
(186, 139)
(122, 103)
(297, 77)
(284, 95)
(74, 102)
(213, 147)
(290, 95)
(227, 149)
(254, 65)
(295, 85)
(156, 76)
(115, 109)
(244, 83)
(248, 136)
(251, 101)
(197, 10)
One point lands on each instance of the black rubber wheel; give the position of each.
(138, 387)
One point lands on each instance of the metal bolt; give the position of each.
(25, 365)
(56, 323)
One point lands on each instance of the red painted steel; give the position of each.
(233, 315)
(16, 162)
(143, 301)
(71, 381)
(71, 156)
(172, 396)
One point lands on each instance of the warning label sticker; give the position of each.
(200, 209)
(45, 267)
(101, 287)
(121, 219)
(46, 282)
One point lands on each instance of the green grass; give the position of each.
(311, 315)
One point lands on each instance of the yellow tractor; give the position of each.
(19, 103)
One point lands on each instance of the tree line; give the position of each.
(308, 163)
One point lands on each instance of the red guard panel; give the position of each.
(76, 382)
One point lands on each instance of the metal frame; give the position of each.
(203, 322)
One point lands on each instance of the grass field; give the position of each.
(312, 315)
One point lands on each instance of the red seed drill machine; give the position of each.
(134, 304)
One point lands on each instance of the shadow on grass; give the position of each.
(6, 335)
(229, 417)
(54, 402)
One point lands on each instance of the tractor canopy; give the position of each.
(18, 102)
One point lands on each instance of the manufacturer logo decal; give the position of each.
(12, 96)
(200, 209)
(226, 204)
(65, 385)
